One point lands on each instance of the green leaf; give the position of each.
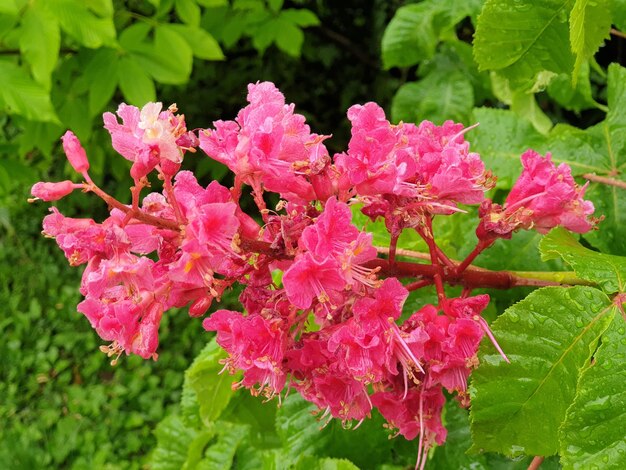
(100, 7)
(87, 28)
(298, 429)
(22, 95)
(275, 5)
(549, 337)
(608, 271)
(289, 37)
(301, 17)
(188, 11)
(203, 45)
(222, 453)
(526, 41)
(524, 104)
(453, 453)
(574, 98)
(40, 41)
(590, 22)
(618, 13)
(438, 97)
(593, 433)
(213, 390)
(102, 73)
(414, 31)
(410, 36)
(501, 138)
(169, 59)
(175, 443)
(335, 464)
(136, 85)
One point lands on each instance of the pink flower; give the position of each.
(75, 152)
(255, 345)
(268, 145)
(149, 137)
(543, 197)
(310, 279)
(52, 191)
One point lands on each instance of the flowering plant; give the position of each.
(323, 305)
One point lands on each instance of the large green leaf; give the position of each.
(102, 74)
(593, 433)
(298, 429)
(135, 83)
(608, 271)
(437, 97)
(213, 390)
(501, 138)
(22, 95)
(203, 45)
(590, 22)
(549, 337)
(82, 24)
(573, 97)
(414, 31)
(221, 453)
(453, 453)
(168, 59)
(526, 41)
(40, 41)
(174, 440)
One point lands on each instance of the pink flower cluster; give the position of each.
(323, 313)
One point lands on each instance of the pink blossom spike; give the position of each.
(75, 152)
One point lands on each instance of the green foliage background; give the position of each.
(546, 84)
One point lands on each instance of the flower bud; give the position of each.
(75, 152)
(52, 191)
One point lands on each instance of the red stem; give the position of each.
(427, 235)
(536, 462)
(393, 245)
(136, 214)
(605, 180)
(478, 249)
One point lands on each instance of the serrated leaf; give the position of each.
(137, 87)
(221, 453)
(590, 22)
(298, 429)
(22, 95)
(501, 138)
(39, 42)
(188, 11)
(437, 97)
(593, 433)
(608, 271)
(213, 390)
(523, 40)
(549, 337)
(413, 33)
(173, 441)
(101, 7)
(574, 98)
(453, 453)
(189, 407)
(87, 28)
(102, 73)
(410, 36)
(203, 45)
